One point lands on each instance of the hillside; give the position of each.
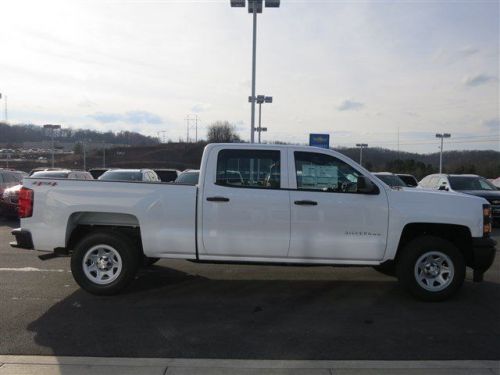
(188, 155)
(13, 136)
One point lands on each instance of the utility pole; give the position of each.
(52, 131)
(103, 154)
(6, 118)
(361, 147)
(442, 136)
(187, 128)
(196, 129)
(84, 156)
(260, 100)
(254, 7)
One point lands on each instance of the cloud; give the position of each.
(493, 124)
(447, 56)
(467, 51)
(351, 105)
(132, 117)
(200, 107)
(478, 80)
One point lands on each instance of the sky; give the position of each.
(359, 71)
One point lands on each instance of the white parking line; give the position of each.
(30, 269)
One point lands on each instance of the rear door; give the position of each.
(245, 211)
(329, 219)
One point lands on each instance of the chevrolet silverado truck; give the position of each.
(289, 205)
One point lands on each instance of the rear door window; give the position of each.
(249, 169)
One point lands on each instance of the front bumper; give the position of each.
(483, 255)
(23, 239)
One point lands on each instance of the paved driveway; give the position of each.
(181, 309)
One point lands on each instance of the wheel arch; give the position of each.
(458, 235)
(83, 223)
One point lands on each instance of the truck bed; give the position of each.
(164, 212)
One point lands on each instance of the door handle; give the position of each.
(218, 199)
(306, 203)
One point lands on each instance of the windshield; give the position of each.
(391, 180)
(409, 180)
(121, 176)
(470, 183)
(188, 178)
(50, 174)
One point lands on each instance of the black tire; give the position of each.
(129, 255)
(387, 268)
(416, 249)
(148, 262)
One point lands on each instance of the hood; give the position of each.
(491, 195)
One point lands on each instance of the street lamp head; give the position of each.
(446, 135)
(272, 3)
(238, 3)
(268, 99)
(361, 145)
(255, 6)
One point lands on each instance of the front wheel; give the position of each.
(104, 263)
(431, 268)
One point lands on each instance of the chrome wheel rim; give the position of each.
(102, 264)
(434, 271)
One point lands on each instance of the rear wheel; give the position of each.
(104, 263)
(431, 268)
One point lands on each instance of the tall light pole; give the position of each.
(260, 100)
(442, 136)
(52, 131)
(5, 106)
(361, 147)
(254, 7)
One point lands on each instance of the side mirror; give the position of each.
(443, 187)
(366, 186)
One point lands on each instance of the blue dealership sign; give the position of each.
(319, 140)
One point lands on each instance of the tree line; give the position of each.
(16, 134)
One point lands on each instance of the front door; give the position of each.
(329, 219)
(245, 212)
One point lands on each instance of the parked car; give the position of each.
(9, 201)
(167, 175)
(408, 179)
(133, 175)
(63, 173)
(326, 218)
(97, 172)
(496, 182)
(10, 197)
(189, 177)
(390, 179)
(469, 184)
(8, 179)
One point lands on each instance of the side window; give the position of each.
(11, 178)
(322, 172)
(249, 168)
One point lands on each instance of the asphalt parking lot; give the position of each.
(185, 310)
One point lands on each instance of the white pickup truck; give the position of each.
(288, 205)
